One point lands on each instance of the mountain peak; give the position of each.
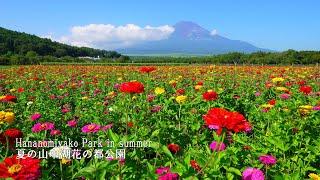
(189, 30)
(190, 38)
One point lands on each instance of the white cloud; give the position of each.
(108, 36)
(214, 32)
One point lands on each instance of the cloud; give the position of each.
(214, 32)
(108, 36)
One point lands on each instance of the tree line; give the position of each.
(22, 48)
(286, 57)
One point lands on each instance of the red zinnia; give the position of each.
(272, 102)
(174, 148)
(131, 87)
(130, 124)
(195, 165)
(200, 83)
(301, 83)
(147, 69)
(180, 91)
(210, 95)
(20, 169)
(305, 89)
(11, 134)
(20, 90)
(9, 98)
(219, 118)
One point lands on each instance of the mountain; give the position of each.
(190, 38)
(21, 43)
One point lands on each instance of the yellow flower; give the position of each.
(2, 97)
(85, 98)
(282, 89)
(277, 79)
(266, 106)
(134, 97)
(197, 87)
(159, 90)
(65, 161)
(314, 176)
(12, 90)
(112, 93)
(307, 107)
(2, 116)
(181, 99)
(285, 109)
(304, 110)
(172, 82)
(9, 117)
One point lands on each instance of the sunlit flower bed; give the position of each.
(166, 122)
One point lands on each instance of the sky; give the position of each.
(273, 24)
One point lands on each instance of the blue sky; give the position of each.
(273, 24)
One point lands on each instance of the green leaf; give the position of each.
(167, 151)
(234, 170)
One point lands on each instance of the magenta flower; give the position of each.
(252, 174)
(316, 108)
(106, 127)
(55, 132)
(216, 146)
(267, 160)
(35, 116)
(116, 86)
(214, 127)
(150, 97)
(155, 108)
(65, 110)
(257, 94)
(162, 170)
(285, 96)
(42, 127)
(169, 176)
(72, 123)
(91, 128)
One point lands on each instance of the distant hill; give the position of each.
(21, 43)
(190, 38)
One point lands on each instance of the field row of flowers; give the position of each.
(166, 122)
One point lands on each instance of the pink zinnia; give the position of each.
(55, 132)
(316, 108)
(35, 116)
(285, 96)
(106, 127)
(91, 128)
(155, 108)
(72, 123)
(257, 94)
(42, 127)
(252, 174)
(267, 160)
(216, 146)
(169, 176)
(162, 170)
(65, 110)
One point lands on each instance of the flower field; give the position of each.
(160, 122)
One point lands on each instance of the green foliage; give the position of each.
(31, 46)
(286, 57)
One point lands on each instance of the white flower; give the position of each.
(111, 109)
(29, 103)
